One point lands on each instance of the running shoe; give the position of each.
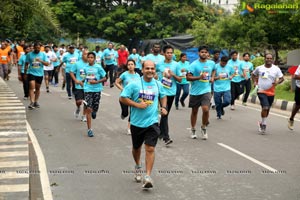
(47, 89)
(138, 173)
(291, 124)
(182, 103)
(31, 106)
(83, 118)
(232, 107)
(168, 141)
(193, 134)
(261, 128)
(219, 117)
(122, 117)
(204, 134)
(76, 113)
(63, 86)
(147, 182)
(25, 98)
(90, 133)
(222, 111)
(244, 104)
(94, 115)
(128, 131)
(69, 97)
(36, 104)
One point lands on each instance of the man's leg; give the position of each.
(37, 91)
(136, 153)
(186, 90)
(164, 124)
(178, 91)
(149, 158)
(194, 115)
(31, 91)
(218, 101)
(205, 115)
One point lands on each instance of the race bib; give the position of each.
(73, 60)
(4, 58)
(223, 76)
(90, 77)
(147, 96)
(265, 74)
(166, 82)
(205, 77)
(98, 60)
(36, 64)
(82, 73)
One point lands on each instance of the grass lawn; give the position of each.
(284, 95)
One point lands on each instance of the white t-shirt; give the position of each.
(51, 56)
(267, 76)
(298, 73)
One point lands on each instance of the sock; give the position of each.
(264, 120)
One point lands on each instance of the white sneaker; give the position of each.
(147, 182)
(128, 132)
(138, 173)
(76, 113)
(232, 107)
(204, 134)
(83, 118)
(193, 134)
(290, 124)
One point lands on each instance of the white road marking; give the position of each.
(19, 164)
(14, 188)
(248, 157)
(105, 94)
(22, 139)
(4, 154)
(13, 175)
(46, 190)
(13, 146)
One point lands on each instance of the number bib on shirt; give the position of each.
(166, 82)
(147, 96)
(205, 78)
(82, 73)
(90, 77)
(223, 76)
(73, 60)
(4, 58)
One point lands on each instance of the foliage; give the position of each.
(258, 61)
(177, 53)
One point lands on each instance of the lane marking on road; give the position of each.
(14, 188)
(105, 94)
(248, 157)
(5, 154)
(46, 190)
(275, 114)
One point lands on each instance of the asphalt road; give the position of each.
(82, 168)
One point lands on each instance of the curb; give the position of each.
(14, 149)
(278, 103)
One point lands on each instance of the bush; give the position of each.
(285, 86)
(258, 61)
(177, 53)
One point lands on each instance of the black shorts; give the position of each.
(79, 94)
(48, 72)
(37, 79)
(297, 96)
(92, 99)
(265, 101)
(199, 100)
(147, 135)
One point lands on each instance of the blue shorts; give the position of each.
(265, 101)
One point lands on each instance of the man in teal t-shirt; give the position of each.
(247, 68)
(143, 96)
(200, 75)
(34, 68)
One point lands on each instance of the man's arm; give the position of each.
(129, 102)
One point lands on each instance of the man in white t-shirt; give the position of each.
(296, 107)
(266, 76)
(49, 69)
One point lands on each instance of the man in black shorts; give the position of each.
(143, 96)
(297, 99)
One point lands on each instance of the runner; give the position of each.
(155, 56)
(21, 74)
(265, 76)
(70, 59)
(143, 97)
(201, 75)
(48, 70)
(247, 68)
(168, 74)
(216, 59)
(94, 77)
(297, 99)
(55, 72)
(34, 69)
(236, 87)
(128, 76)
(109, 63)
(4, 59)
(222, 94)
(78, 75)
(137, 59)
(184, 85)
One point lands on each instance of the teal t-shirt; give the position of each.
(22, 62)
(169, 84)
(70, 59)
(237, 68)
(144, 91)
(57, 62)
(79, 72)
(247, 67)
(36, 68)
(136, 57)
(198, 68)
(223, 83)
(156, 59)
(95, 72)
(126, 78)
(183, 68)
(98, 57)
(109, 56)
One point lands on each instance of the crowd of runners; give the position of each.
(148, 86)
